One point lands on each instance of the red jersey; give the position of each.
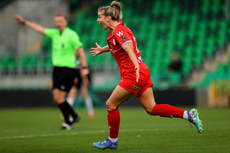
(117, 38)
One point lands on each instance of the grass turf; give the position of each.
(37, 131)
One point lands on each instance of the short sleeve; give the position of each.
(76, 41)
(122, 37)
(50, 32)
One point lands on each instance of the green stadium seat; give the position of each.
(175, 78)
(215, 6)
(209, 50)
(29, 63)
(8, 64)
(221, 68)
(198, 60)
(213, 24)
(205, 7)
(4, 61)
(208, 78)
(181, 38)
(46, 45)
(47, 63)
(187, 64)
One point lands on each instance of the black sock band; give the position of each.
(67, 110)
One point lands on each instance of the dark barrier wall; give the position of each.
(172, 97)
(26, 98)
(43, 98)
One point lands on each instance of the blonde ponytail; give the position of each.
(117, 6)
(114, 10)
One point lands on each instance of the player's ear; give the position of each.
(108, 18)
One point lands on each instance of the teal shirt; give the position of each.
(64, 46)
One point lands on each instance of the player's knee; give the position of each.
(58, 99)
(110, 105)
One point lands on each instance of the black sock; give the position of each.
(67, 110)
(71, 110)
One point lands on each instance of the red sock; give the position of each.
(113, 122)
(165, 110)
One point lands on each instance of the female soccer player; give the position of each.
(135, 76)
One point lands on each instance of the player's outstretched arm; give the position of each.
(34, 26)
(99, 50)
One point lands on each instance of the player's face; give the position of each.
(103, 20)
(60, 22)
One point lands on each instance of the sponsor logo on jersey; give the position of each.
(140, 59)
(120, 33)
(135, 88)
(123, 38)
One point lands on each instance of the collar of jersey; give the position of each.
(67, 28)
(120, 22)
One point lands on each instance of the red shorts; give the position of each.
(137, 88)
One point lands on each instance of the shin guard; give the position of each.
(113, 122)
(165, 110)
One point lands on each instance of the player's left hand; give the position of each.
(96, 51)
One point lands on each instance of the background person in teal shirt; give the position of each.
(65, 46)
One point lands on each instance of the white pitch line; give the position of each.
(71, 133)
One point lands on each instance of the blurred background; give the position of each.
(185, 44)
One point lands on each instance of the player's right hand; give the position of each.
(137, 69)
(96, 51)
(19, 18)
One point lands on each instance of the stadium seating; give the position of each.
(222, 73)
(162, 31)
(28, 63)
(194, 29)
(7, 64)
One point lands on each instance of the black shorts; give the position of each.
(79, 78)
(63, 78)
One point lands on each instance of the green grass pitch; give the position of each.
(36, 130)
